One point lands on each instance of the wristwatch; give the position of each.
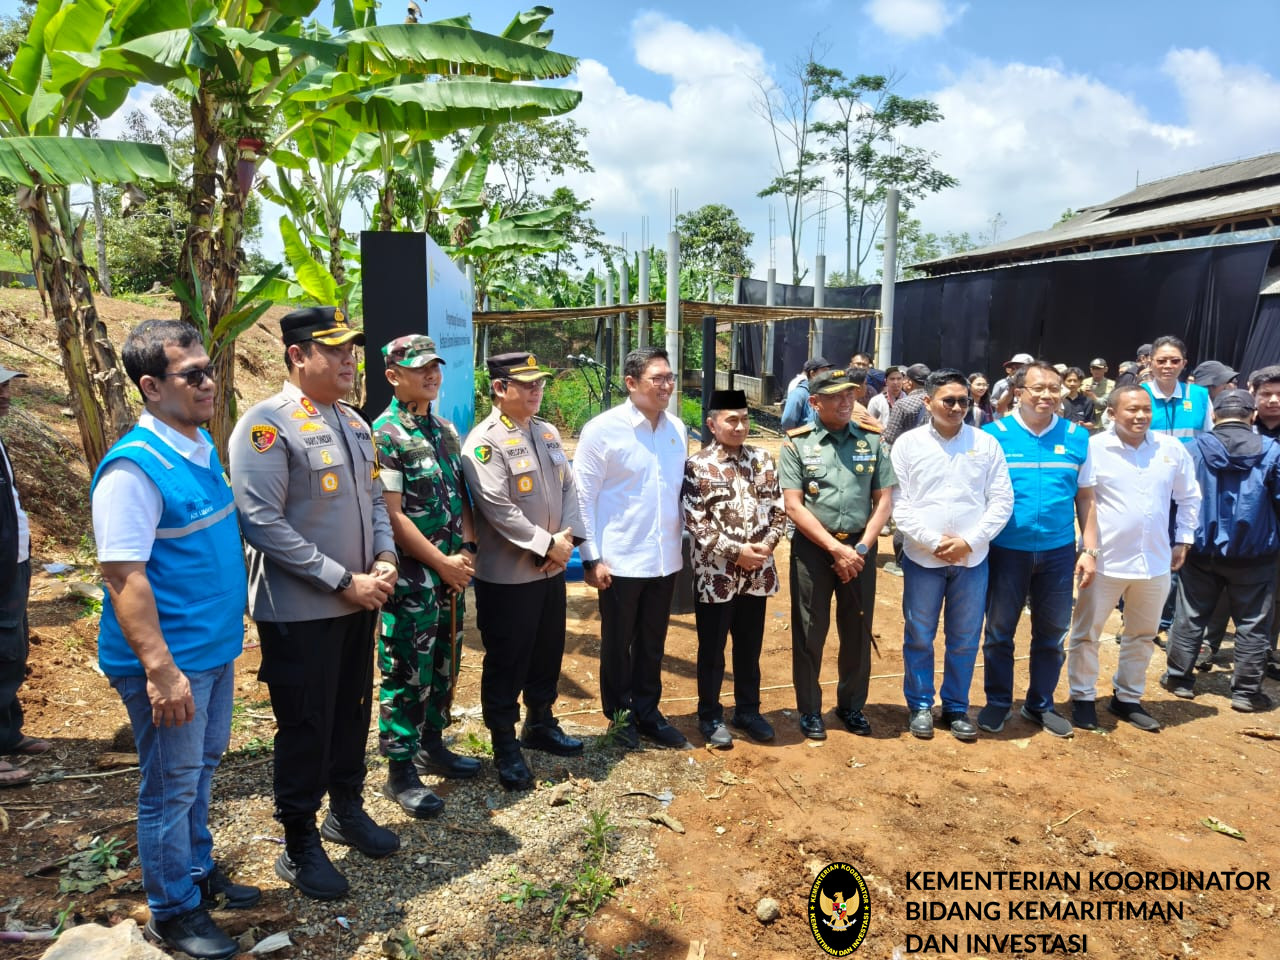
(471, 547)
(861, 549)
(589, 564)
(343, 583)
(1092, 551)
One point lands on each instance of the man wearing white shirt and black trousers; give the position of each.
(1135, 472)
(630, 469)
(953, 496)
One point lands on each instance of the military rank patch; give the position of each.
(548, 435)
(263, 436)
(506, 422)
(308, 406)
(299, 415)
(329, 482)
(525, 484)
(513, 441)
(310, 428)
(484, 453)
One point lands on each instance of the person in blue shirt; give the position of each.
(797, 412)
(1035, 554)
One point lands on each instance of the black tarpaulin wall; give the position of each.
(1066, 311)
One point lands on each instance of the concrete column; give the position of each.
(673, 317)
(608, 358)
(624, 297)
(884, 342)
(642, 331)
(818, 347)
(769, 347)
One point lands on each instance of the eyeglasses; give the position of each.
(667, 381)
(1043, 390)
(195, 376)
(952, 402)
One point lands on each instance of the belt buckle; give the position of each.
(841, 536)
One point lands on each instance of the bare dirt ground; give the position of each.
(759, 820)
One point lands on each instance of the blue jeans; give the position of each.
(1046, 576)
(175, 846)
(924, 590)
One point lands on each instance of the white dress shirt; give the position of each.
(629, 480)
(957, 488)
(1133, 487)
(127, 504)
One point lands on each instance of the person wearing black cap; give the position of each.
(420, 465)
(836, 483)
(733, 511)
(322, 561)
(527, 524)
(796, 412)
(1237, 542)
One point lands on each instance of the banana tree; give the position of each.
(39, 152)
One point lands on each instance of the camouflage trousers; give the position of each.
(415, 657)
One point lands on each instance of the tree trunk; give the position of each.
(197, 247)
(223, 292)
(386, 205)
(104, 363)
(51, 261)
(104, 276)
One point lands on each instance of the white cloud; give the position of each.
(913, 19)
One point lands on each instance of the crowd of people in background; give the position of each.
(1046, 492)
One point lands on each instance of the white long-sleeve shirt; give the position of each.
(953, 488)
(629, 479)
(1133, 487)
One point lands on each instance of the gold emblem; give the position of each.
(299, 414)
(813, 488)
(326, 458)
(525, 484)
(310, 428)
(338, 317)
(329, 482)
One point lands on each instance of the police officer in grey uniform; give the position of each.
(836, 483)
(527, 523)
(321, 562)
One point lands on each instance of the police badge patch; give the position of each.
(262, 436)
(483, 453)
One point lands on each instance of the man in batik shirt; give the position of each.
(419, 639)
(733, 510)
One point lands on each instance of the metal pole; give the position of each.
(819, 301)
(642, 331)
(884, 349)
(624, 298)
(608, 338)
(673, 318)
(599, 322)
(708, 372)
(734, 332)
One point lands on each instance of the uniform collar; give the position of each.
(1176, 395)
(405, 416)
(820, 431)
(182, 445)
(1017, 415)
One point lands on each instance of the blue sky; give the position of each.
(1047, 106)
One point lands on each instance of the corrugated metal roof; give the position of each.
(1237, 173)
(1095, 225)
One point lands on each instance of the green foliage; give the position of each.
(526, 890)
(915, 245)
(713, 248)
(477, 744)
(95, 866)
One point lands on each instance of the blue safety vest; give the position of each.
(196, 570)
(1044, 471)
(1182, 415)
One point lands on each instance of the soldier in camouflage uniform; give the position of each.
(419, 456)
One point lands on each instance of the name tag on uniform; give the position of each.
(1059, 449)
(1186, 404)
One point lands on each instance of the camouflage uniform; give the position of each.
(420, 458)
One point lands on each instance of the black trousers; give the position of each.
(320, 675)
(13, 649)
(813, 584)
(1250, 591)
(522, 627)
(743, 617)
(634, 613)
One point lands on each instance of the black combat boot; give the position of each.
(513, 772)
(348, 823)
(404, 787)
(542, 732)
(435, 757)
(305, 865)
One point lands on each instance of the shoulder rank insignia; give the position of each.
(506, 422)
(800, 431)
(308, 406)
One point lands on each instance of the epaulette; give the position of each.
(869, 424)
(800, 431)
(506, 422)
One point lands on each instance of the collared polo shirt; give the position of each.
(1133, 488)
(1044, 469)
(837, 472)
(1182, 414)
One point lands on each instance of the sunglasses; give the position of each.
(195, 376)
(952, 402)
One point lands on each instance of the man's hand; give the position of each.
(1180, 551)
(561, 547)
(456, 571)
(1086, 566)
(952, 550)
(753, 556)
(367, 591)
(599, 576)
(386, 571)
(170, 693)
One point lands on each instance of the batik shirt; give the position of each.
(420, 458)
(730, 501)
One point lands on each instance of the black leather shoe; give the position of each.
(305, 865)
(546, 735)
(352, 826)
(662, 734)
(513, 772)
(753, 725)
(854, 721)
(716, 734)
(404, 787)
(218, 892)
(1084, 714)
(435, 757)
(960, 725)
(811, 726)
(195, 934)
(921, 723)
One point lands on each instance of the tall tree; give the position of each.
(864, 146)
(713, 247)
(789, 111)
(525, 154)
